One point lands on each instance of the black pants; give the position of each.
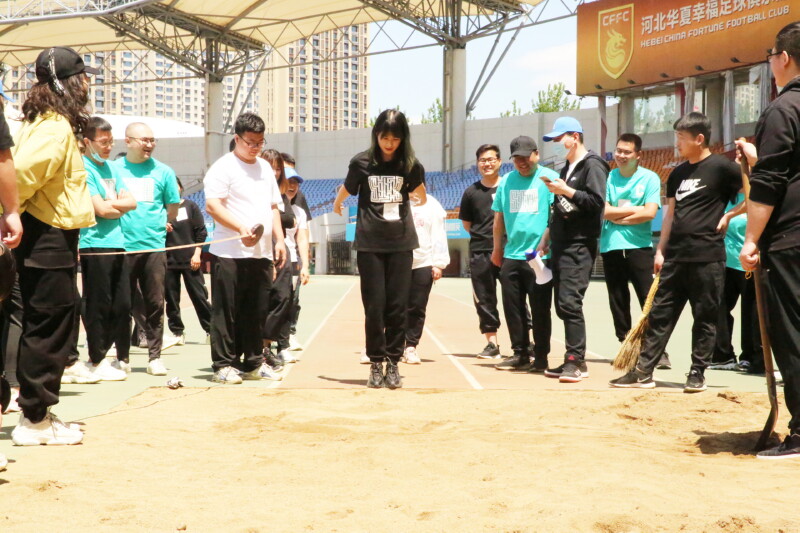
(484, 277)
(620, 267)
(276, 325)
(421, 285)
(736, 284)
(519, 287)
(46, 260)
(295, 314)
(106, 301)
(783, 288)
(385, 282)
(701, 285)
(196, 288)
(240, 298)
(149, 271)
(11, 334)
(572, 266)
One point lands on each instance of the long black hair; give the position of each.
(394, 122)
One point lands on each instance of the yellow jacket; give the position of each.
(51, 178)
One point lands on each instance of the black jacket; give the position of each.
(191, 228)
(581, 217)
(776, 177)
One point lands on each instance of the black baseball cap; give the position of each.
(523, 146)
(60, 62)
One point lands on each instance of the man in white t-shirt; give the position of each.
(239, 187)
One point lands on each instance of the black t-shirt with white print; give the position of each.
(702, 191)
(384, 222)
(476, 208)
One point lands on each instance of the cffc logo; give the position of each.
(615, 39)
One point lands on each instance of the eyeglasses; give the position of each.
(254, 146)
(104, 144)
(488, 160)
(771, 54)
(145, 140)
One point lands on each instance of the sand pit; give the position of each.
(228, 459)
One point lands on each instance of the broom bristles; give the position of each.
(628, 354)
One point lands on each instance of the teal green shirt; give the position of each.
(644, 187)
(153, 184)
(734, 237)
(103, 181)
(525, 205)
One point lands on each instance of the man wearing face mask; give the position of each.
(106, 281)
(577, 216)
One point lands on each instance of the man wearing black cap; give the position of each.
(478, 219)
(56, 203)
(574, 230)
(522, 211)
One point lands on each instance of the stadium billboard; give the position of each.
(626, 43)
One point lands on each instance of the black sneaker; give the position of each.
(695, 382)
(788, 449)
(392, 378)
(571, 373)
(491, 351)
(730, 364)
(634, 380)
(518, 362)
(273, 360)
(539, 365)
(375, 376)
(663, 362)
(557, 371)
(743, 365)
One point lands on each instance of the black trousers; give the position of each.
(385, 283)
(196, 289)
(484, 276)
(701, 285)
(11, 334)
(46, 261)
(421, 285)
(620, 268)
(783, 287)
(737, 284)
(149, 271)
(519, 287)
(572, 267)
(240, 298)
(295, 314)
(106, 301)
(276, 325)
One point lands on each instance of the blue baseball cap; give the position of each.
(291, 174)
(562, 126)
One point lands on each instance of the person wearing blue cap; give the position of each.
(580, 194)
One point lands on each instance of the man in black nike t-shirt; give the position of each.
(690, 253)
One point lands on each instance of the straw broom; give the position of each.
(628, 354)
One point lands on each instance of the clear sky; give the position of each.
(541, 55)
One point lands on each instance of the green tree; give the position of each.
(435, 113)
(515, 111)
(554, 99)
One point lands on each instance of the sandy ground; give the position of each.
(238, 459)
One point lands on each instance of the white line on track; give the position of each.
(313, 336)
(469, 377)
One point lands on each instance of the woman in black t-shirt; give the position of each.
(383, 178)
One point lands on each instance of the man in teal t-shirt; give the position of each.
(522, 210)
(106, 283)
(155, 188)
(633, 197)
(737, 284)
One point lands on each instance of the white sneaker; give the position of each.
(287, 357)
(364, 358)
(121, 365)
(50, 430)
(80, 374)
(263, 372)
(410, 356)
(106, 372)
(3, 462)
(227, 375)
(13, 406)
(294, 344)
(169, 340)
(156, 368)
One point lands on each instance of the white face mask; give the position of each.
(94, 154)
(560, 150)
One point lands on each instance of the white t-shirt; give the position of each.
(291, 233)
(248, 191)
(429, 222)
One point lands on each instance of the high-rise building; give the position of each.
(326, 93)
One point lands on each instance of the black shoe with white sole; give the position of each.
(634, 380)
(490, 351)
(695, 382)
(788, 449)
(375, 376)
(557, 371)
(392, 378)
